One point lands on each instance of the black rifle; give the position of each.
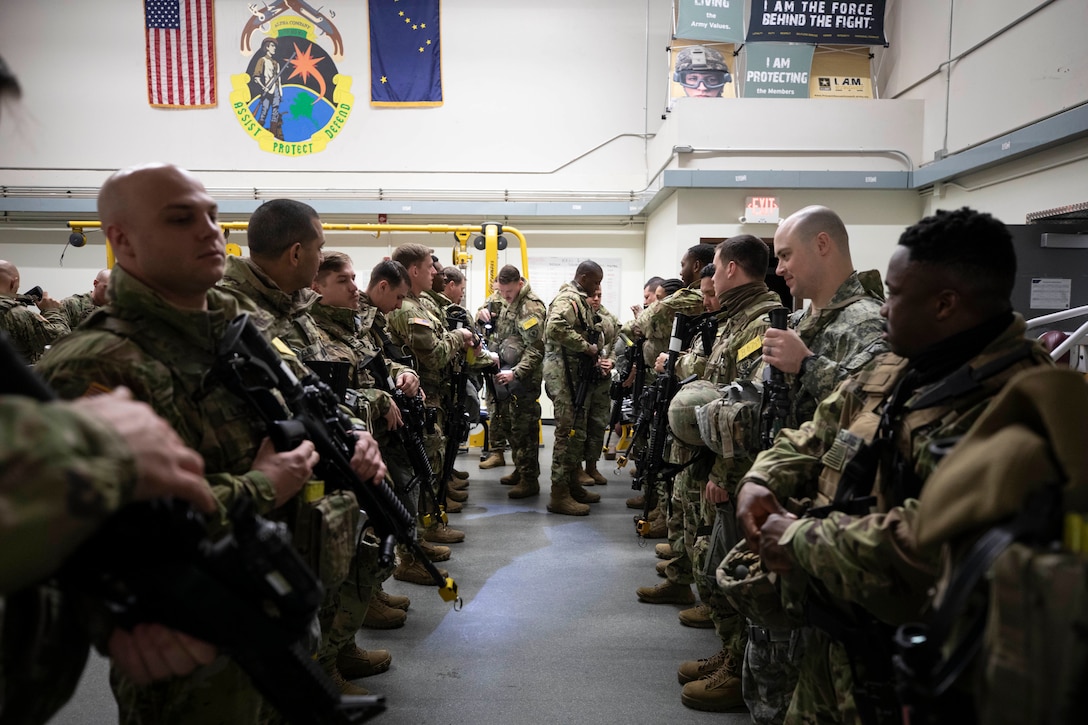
(653, 417)
(587, 373)
(249, 593)
(416, 423)
(457, 422)
(631, 362)
(776, 393)
(253, 370)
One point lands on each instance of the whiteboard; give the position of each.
(548, 274)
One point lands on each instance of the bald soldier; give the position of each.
(30, 331)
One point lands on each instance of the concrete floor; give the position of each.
(550, 630)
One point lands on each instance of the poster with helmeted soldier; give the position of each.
(702, 70)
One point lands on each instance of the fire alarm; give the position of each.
(382, 218)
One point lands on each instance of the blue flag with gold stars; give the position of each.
(405, 53)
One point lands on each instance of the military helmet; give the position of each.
(699, 59)
(682, 417)
(753, 591)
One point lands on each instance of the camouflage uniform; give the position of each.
(77, 308)
(30, 331)
(498, 428)
(737, 355)
(598, 404)
(163, 354)
(654, 324)
(420, 330)
(569, 323)
(869, 561)
(519, 335)
(287, 318)
(844, 336)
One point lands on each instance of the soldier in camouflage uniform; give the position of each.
(688, 486)
(353, 333)
(519, 341)
(30, 331)
(956, 341)
(420, 330)
(79, 307)
(654, 324)
(836, 335)
(570, 326)
(158, 337)
(285, 242)
(498, 428)
(598, 404)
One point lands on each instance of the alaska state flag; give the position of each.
(405, 53)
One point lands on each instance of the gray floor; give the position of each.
(550, 630)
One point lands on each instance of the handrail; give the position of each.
(1073, 340)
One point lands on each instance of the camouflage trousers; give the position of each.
(498, 425)
(684, 522)
(770, 672)
(824, 691)
(218, 694)
(731, 627)
(598, 411)
(570, 435)
(435, 443)
(521, 418)
(342, 613)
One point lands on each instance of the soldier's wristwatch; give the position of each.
(804, 365)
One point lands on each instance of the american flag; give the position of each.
(180, 53)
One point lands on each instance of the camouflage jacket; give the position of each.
(279, 315)
(610, 332)
(63, 473)
(419, 332)
(31, 331)
(350, 339)
(77, 308)
(845, 336)
(519, 337)
(570, 321)
(165, 356)
(738, 349)
(655, 322)
(871, 559)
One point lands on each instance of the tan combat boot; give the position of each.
(458, 484)
(512, 479)
(382, 616)
(411, 570)
(698, 669)
(666, 593)
(583, 478)
(354, 662)
(456, 495)
(396, 601)
(697, 617)
(663, 551)
(581, 495)
(433, 552)
(495, 460)
(562, 503)
(342, 685)
(460, 475)
(597, 476)
(721, 692)
(636, 502)
(443, 534)
(661, 566)
(453, 507)
(524, 489)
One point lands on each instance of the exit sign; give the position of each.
(761, 210)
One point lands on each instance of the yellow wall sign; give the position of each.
(291, 99)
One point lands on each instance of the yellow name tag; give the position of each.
(282, 347)
(422, 321)
(530, 323)
(748, 349)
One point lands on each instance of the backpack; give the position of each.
(1007, 638)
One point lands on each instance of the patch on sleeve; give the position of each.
(748, 349)
(421, 321)
(282, 348)
(529, 323)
